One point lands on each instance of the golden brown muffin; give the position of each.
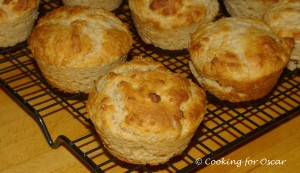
(16, 20)
(284, 19)
(75, 45)
(106, 4)
(248, 8)
(168, 24)
(238, 59)
(144, 113)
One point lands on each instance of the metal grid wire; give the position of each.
(225, 125)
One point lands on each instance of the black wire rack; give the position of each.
(225, 126)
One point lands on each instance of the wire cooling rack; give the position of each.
(225, 126)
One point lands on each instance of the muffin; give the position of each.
(284, 19)
(74, 45)
(144, 113)
(16, 20)
(238, 59)
(109, 5)
(168, 24)
(248, 8)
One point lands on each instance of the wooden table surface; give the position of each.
(23, 148)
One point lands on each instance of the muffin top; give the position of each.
(174, 13)
(16, 8)
(248, 8)
(238, 49)
(284, 18)
(141, 99)
(76, 36)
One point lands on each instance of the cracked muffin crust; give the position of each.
(75, 45)
(109, 5)
(284, 19)
(248, 8)
(238, 59)
(144, 113)
(168, 24)
(17, 18)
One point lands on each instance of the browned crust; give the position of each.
(166, 7)
(81, 36)
(180, 12)
(16, 8)
(140, 105)
(247, 64)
